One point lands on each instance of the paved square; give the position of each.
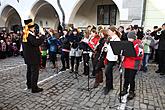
(63, 92)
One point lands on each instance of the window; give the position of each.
(106, 14)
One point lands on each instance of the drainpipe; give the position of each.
(143, 11)
(63, 14)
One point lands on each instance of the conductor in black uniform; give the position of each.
(31, 42)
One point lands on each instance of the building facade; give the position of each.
(80, 13)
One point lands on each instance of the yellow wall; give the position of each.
(154, 13)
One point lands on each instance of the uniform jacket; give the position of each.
(31, 50)
(161, 38)
(134, 62)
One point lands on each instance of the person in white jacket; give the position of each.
(112, 59)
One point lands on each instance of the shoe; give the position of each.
(158, 71)
(76, 72)
(106, 90)
(37, 90)
(62, 69)
(145, 70)
(142, 68)
(91, 77)
(162, 73)
(85, 74)
(124, 92)
(67, 67)
(28, 87)
(96, 85)
(131, 95)
(71, 71)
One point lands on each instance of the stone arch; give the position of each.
(118, 3)
(48, 19)
(10, 18)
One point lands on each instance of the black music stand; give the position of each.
(88, 49)
(122, 48)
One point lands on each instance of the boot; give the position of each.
(37, 90)
(131, 95)
(100, 76)
(124, 92)
(106, 90)
(96, 84)
(71, 71)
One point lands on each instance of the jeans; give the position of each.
(145, 60)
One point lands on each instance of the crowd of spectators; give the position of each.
(10, 43)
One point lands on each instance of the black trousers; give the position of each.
(109, 74)
(161, 65)
(65, 59)
(44, 58)
(86, 63)
(73, 62)
(32, 76)
(129, 78)
(52, 57)
(156, 56)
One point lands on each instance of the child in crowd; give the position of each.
(132, 65)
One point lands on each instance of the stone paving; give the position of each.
(62, 91)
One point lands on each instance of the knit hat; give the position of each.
(132, 35)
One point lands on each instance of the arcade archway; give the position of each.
(11, 19)
(88, 12)
(45, 15)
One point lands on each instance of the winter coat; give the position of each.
(53, 44)
(148, 42)
(65, 44)
(135, 62)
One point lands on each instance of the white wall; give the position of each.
(155, 13)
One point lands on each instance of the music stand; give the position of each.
(88, 64)
(122, 48)
(88, 50)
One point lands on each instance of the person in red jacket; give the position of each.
(132, 65)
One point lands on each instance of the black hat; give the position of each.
(27, 21)
(163, 24)
(31, 26)
(135, 26)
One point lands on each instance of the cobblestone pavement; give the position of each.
(61, 91)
